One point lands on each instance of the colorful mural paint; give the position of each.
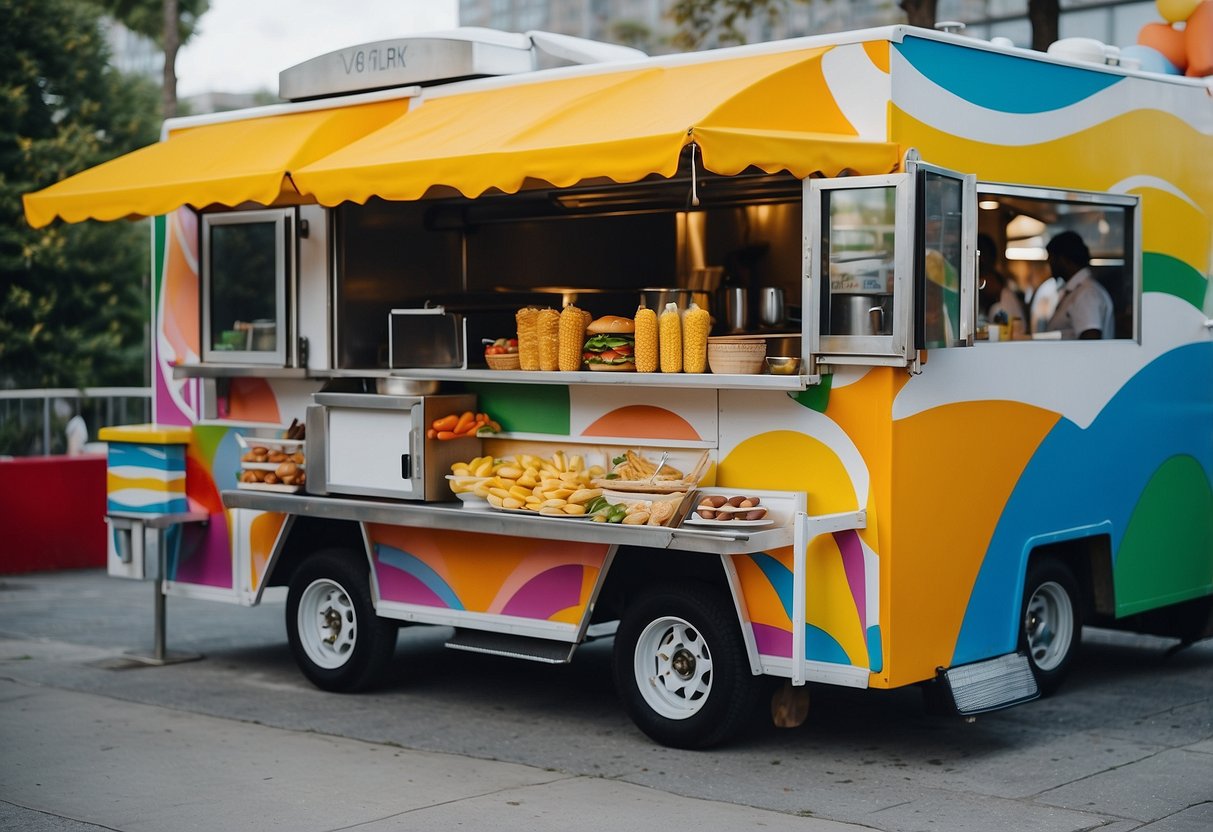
(962, 467)
(531, 578)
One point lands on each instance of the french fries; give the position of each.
(525, 482)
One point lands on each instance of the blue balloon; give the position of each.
(1151, 59)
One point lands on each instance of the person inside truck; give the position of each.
(996, 290)
(1084, 308)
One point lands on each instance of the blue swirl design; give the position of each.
(1082, 482)
(1004, 83)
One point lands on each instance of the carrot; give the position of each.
(447, 434)
(468, 418)
(431, 434)
(446, 422)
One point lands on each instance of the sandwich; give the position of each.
(610, 344)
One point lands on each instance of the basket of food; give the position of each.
(634, 472)
(506, 361)
(502, 354)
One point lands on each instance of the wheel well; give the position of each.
(312, 534)
(634, 569)
(1090, 560)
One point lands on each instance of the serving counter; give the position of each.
(722, 541)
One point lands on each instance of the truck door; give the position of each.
(889, 265)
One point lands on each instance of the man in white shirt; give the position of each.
(1084, 308)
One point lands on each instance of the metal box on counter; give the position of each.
(375, 445)
(447, 336)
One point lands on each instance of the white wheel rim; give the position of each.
(673, 668)
(327, 624)
(1048, 625)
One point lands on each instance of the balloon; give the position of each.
(1174, 11)
(1168, 41)
(1198, 35)
(1150, 60)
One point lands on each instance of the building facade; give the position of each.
(645, 24)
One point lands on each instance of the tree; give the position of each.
(73, 301)
(919, 12)
(1045, 17)
(170, 23)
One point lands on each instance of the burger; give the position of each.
(610, 345)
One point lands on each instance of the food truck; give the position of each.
(870, 484)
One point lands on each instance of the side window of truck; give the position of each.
(1018, 229)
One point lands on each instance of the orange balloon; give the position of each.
(1168, 41)
(1199, 39)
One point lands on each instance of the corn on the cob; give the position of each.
(547, 326)
(670, 326)
(695, 325)
(573, 322)
(528, 338)
(646, 340)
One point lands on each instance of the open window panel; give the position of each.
(1017, 222)
(246, 263)
(890, 265)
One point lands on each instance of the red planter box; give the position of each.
(52, 511)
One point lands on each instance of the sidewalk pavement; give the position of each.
(78, 762)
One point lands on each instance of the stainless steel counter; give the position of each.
(514, 524)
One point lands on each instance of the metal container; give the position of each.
(376, 445)
(656, 299)
(771, 310)
(861, 314)
(733, 312)
(395, 386)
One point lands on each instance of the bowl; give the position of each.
(736, 357)
(471, 501)
(393, 386)
(783, 365)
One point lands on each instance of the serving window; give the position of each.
(246, 258)
(1017, 223)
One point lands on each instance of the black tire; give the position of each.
(1050, 630)
(696, 622)
(332, 588)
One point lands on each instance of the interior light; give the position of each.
(989, 205)
(1026, 253)
(1023, 227)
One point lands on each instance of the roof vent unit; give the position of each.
(440, 58)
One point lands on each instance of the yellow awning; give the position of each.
(227, 163)
(774, 111)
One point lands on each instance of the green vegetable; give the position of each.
(611, 477)
(619, 460)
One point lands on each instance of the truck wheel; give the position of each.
(681, 669)
(1051, 628)
(337, 640)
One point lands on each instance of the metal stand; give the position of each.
(160, 523)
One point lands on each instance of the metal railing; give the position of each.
(33, 422)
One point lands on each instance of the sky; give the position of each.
(242, 45)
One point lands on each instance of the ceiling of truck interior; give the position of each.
(771, 111)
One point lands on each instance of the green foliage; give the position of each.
(72, 297)
(146, 17)
(700, 21)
